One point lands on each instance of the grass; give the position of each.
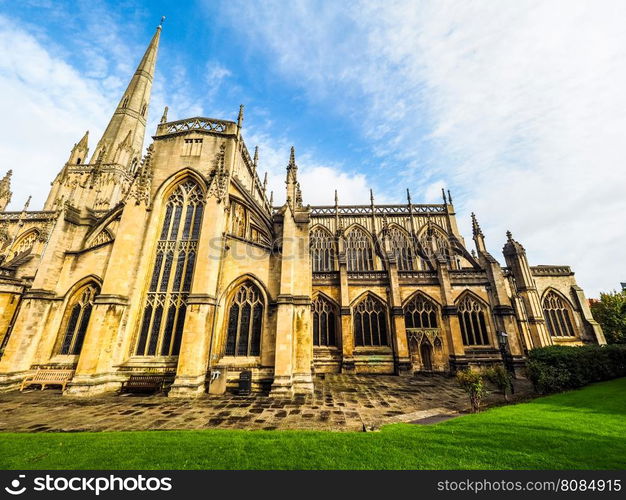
(583, 429)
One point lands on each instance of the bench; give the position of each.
(48, 377)
(143, 383)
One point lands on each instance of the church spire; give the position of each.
(478, 236)
(293, 186)
(5, 190)
(131, 113)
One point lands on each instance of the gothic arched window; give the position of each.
(76, 320)
(436, 244)
(170, 284)
(322, 246)
(370, 323)
(472, 317)
(558, 316)
(402, 247)
(245, 321)
(324, 322)
(420, 312)
(359, 250)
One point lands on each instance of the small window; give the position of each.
(192, 147)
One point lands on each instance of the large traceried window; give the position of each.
(420, 312)
(166, 303)
(472, 317)
(558, 316)
(245, 322)
(322, 246)
(370, 323)
(359, 250)
(77, 319)
(403, 249)
(324, 322)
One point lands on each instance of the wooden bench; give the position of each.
(48, 377)
(144, 383)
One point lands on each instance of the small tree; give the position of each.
(501, 378)
(610, 312)
(472, 383)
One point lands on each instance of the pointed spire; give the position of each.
(371, 196)
(255, 161)
(408, 196)
(475, 226)
(443, 193)
(132, 110)
(80, 151)
(5, 190)
(271, 198)
(240, 116)
(265, 182)
(27, 204)
(292, 159)
(509, 235)
(449, 197)
(164, 115)
(478, 236)
(336, 198)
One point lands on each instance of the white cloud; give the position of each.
(518, 107)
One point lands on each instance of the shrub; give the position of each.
(472, 383)
(557, 368)
(501, 378)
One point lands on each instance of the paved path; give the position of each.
(340, 402)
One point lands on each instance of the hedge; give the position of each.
(557, 368)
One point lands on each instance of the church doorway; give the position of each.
(426, 355)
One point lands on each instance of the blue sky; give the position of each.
(518, 108)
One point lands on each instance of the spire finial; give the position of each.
(336, 198)
(265, 182)
(292, 157)
(408, 196)
(509, 235)
(475, 226)
(271, 198)
(449, 197)
(160, 26)
(240, 116)
(256, 158)
(27, 204)
(164, 116)
(371, 196)
(443, 193)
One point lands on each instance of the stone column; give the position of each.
(451, 328)
(402, 360)
(347, 334)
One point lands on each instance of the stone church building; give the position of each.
(175, 261)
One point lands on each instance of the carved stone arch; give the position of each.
(105, 221)
(559, 314)
(234, 284)
(319, 293)
(360, 248)
(24, 243)
(474, 315)
(370, 316)
(173, 181)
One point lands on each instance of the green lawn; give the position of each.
(584, 429)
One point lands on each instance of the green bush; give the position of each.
(472, 383)
(557, 368)
(501, 378)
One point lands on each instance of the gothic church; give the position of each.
(175, 262)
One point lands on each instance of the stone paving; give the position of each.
(340, 402)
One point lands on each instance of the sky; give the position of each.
(519, 108)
